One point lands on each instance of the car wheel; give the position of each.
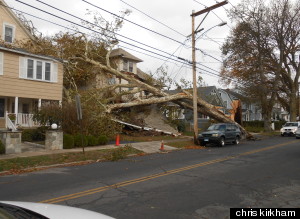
(222, 142)
(237, 140)
(203, 143)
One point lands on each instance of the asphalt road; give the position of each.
(202, 183)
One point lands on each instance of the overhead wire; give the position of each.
(211, 11)
(168, 58)
(131, 22)
(153, 18)
(99, 32)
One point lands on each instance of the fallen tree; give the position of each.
(183, 99)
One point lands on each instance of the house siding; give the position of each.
(6, 17)
(13, 86)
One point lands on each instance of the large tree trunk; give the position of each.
(267, 121)
(293, 106)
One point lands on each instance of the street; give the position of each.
(196, 183)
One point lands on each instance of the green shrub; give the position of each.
(79, 139)
(2, 148)
(102, 140)
(68, 141)
(254, 129)
(27, 135)
(34, 134)
(253, 124)
(92, 140)
(181, 127)
(279, 124)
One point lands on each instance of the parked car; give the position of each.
(16, 210)
(289, 128)
(220, 134)
(297, 133)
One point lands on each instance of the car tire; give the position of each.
(202, 143)
(237, 140)
(222, 142)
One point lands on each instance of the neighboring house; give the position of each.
(250, 109)
(126, 63)
(210, 94)
(26, 80)
(11, 28)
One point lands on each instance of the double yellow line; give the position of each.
(146, 178)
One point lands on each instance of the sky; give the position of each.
(170, 20)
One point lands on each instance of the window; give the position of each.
(38, 70)
(2, 103)
(130, 66)
(48, 71)
(29, 68)
(25, 108)
(125, 65)
(1, 63)
(9, 33)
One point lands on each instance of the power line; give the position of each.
(132, 22)
(97, 31)
(212, 11)
(168, 58)
(153, 18)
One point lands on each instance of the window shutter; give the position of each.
(54, 72)
(22, 67)
(1, 63)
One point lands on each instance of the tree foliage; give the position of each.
(259, 51)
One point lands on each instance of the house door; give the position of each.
(2, 113)
(2, 105)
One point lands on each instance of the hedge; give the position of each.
(2, 148)
(102, 140)
(79, 139)
(68, 141)
(260, 124)
(37, 134)
(92, 140)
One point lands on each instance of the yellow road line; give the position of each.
(146, 178)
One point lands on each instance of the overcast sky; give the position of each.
(176, 19)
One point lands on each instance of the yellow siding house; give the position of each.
(26, 80)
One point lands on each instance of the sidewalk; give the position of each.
(146, 147)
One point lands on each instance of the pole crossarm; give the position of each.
(209, 8)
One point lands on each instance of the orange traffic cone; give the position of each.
(162, 146)
(118, 140)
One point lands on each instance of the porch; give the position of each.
(18, 112)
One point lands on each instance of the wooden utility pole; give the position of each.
(195, 96)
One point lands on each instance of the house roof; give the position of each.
(13, 15)
(236, 96)
(205, 94)
(124, 54)
(26, 53)
(142, 74)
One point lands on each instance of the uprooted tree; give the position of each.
(87, 57)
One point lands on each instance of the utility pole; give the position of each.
(195, 111)
(195, 96)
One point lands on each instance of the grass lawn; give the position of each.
(16, 164)
(147, 138)
(188, 144)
